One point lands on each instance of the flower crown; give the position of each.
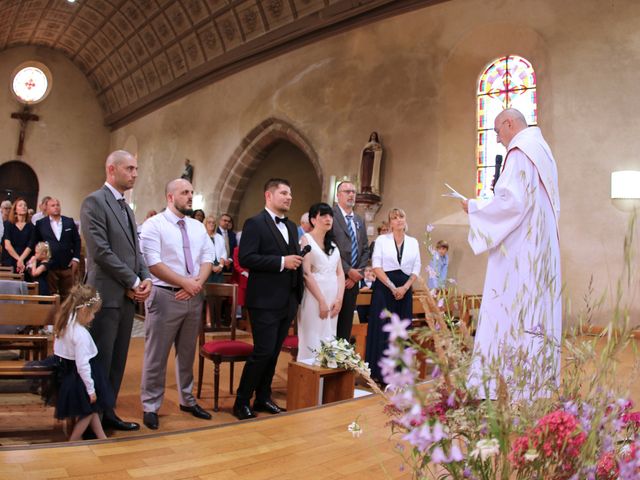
(91, 302)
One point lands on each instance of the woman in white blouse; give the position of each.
(396, 263)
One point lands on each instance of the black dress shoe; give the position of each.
(197, 411)
(243, 412)
(150, 419)
(116, 423)
(267, 406)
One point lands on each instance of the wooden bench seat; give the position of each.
(18, 369)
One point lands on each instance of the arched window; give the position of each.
(508, 82)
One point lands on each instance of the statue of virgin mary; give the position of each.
(370, 165)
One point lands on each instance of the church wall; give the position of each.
(412, 78)
(284, 161)
(68, 145)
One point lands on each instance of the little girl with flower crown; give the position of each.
(84, 390)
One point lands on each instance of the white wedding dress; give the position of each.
(312, 328)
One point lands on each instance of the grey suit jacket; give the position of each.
(114, 260)
(343, 239)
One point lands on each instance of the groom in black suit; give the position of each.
(269, 249)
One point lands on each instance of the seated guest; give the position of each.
(383, 229)
(225, 228)
(305, 226)
(38, 267)
(366, 284)
(220, 253)
(396, 263)
(5, 209)
(42, 210)
(17, 236)
(199, 215)
(179, 254)
(438, 267)
(61, 233)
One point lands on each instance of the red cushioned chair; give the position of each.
(290, 345)
(218, 351)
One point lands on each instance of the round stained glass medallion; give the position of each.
(31, 82)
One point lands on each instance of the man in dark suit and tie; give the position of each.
(350, 234)
(116, 269)
(225, 228)
(269, 250)
(62, 235)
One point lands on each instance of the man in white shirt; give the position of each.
(42, 212)
(180, 255)
(61, 233)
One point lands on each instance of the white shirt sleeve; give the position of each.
(208, 253)
(492, 220)
(150, 242)
(417, 264)
(376, 257)
(82, 345)
(221, 250)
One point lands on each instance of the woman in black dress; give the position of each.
(396, 263)
(17, 236)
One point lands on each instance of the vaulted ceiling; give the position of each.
(140, 54)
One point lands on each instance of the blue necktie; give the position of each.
(354, 242)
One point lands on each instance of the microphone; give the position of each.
(305, 250)
(496, 174)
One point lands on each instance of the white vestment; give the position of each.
(520, 320)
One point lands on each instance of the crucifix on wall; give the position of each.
(25, 116)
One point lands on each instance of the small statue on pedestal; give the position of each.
(370, 169)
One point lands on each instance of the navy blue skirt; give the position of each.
(382, 299)
(72, 397)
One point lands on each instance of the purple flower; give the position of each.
(396, 328)
(456, 454)
(438, 456)
(430, 228)
(420, 438)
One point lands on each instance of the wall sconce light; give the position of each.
(625, 184)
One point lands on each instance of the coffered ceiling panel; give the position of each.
(141, 54)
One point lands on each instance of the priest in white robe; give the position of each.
(520, 321)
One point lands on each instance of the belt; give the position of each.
(173, 289)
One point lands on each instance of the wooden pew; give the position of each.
(11, 276)
(34, 311)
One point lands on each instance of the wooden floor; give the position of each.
(311, 444)
(39, 429)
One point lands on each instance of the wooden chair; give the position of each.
(219, 351)
(34, 311)
(290, 343)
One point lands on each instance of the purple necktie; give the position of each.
(186, 246)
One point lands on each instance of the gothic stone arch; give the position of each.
(251, 151)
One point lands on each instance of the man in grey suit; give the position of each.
(116, 268)
(350, 234)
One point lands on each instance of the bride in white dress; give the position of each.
(324, 283)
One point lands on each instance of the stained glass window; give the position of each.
(508, 82)
(31, 82)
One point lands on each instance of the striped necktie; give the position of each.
(354, 242)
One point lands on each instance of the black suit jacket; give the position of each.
(343, 240)
(262, 247)
(63, 250)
